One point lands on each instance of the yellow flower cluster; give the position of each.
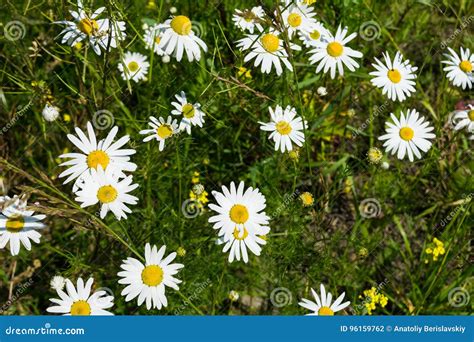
(244, 72)
(372, 298)
(198, 194)
(436, 250)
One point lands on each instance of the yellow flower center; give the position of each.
(188, 111)
(334, 49)
(315, 35)
(283, 127)
(164, 131)
(237, 234)
(80, 308)
(107, 194)
(270, 42)
(465, 66)
(325, 311)
(239, 213)
(470, 114)
(87, 26)
(15, 224)
(152, 275)
(133, 66)
(406, 133)
(96, 158)
(294, 19)
(181, 25)
(394, 75)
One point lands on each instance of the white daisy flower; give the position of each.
(148, 282)
(50, 113)
(78, 301)
(395, 78)
(286, 128)
(134, 66)
(268, 50)
(105, 153)
(315, 33)
(179, 38)
(161, 130)
(18, 226)
(332, 53)
(241, 220)
(106, 188)
(297, 17)
(460, 68)
(57, 283)
(152, 38)
(192, 113)
(323, 306)
(408, 135)
(101, 33)
(463, 119)
(248, 20)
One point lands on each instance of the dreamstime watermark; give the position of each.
(370, 208)
(46, 330)
(103, 119)
(280, 297)
(458, 297)
(22, 110)
(464, 23)
(200, 287)
(191, 208)
(19, 290)
(14, 30)
(369, 30)
(449, 217)
(377, 111)
(287, 199)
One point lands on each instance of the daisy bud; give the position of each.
(234, 296)
(50, 113)
(165, 59)
(57, 283)
(322, 91)
(173, 10)
(385, 165)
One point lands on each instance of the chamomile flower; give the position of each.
(297, 17)
(152, 38)
(148, 282)
(286, 128)
(102, 34)
(395, 78)
(408, 135)
(134, 66)
(18, 226)
(78, 301)
(323, 306)
(332, 53)
(314, 33)
(192, 113)
(178, 38)
(105, 153)
(106, 188)
(161, 130)
(460, 68)
(268, 51)
(248, 20)
(464, 119)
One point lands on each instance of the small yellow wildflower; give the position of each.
(78, 46)
(181, 251)
(195, 179)
(151, 4)
(436, 249)
(244, 72)
(309, 2)
(348, 183)
(374, 155)
(205, 161)
(294, 155)
(67, 118)
(363, 252)
(307, 199)
(372, 298)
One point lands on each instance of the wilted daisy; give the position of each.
(323, 306)
(460, 68)
(57, 283)
(408, 135)
(101, 33)
(247, 20)
(17, 225)
(106, 188)
(297, 17)
(374, 155)
(178, 38)
(105, 153)
(192, 113)
(134, 66)
(268, 51)
(395, 78)
(78, 301)
(148, 282)
(161, 130)
(286, 128)
(152, 38)
(50, 112)
(315, 33)
(332, 53)
(464, 119)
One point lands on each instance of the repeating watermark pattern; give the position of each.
(14, 30)
(287, 199)
(458, 297)
(370, 208)
(200, 287)
(464, 23)
(21, 111)
(467, 198)
(377, 111)
(190, 208)
(370, 30)
(19, 290)
(103, 119)
(280, 297)
(198, 29)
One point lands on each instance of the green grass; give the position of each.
(329, 243)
